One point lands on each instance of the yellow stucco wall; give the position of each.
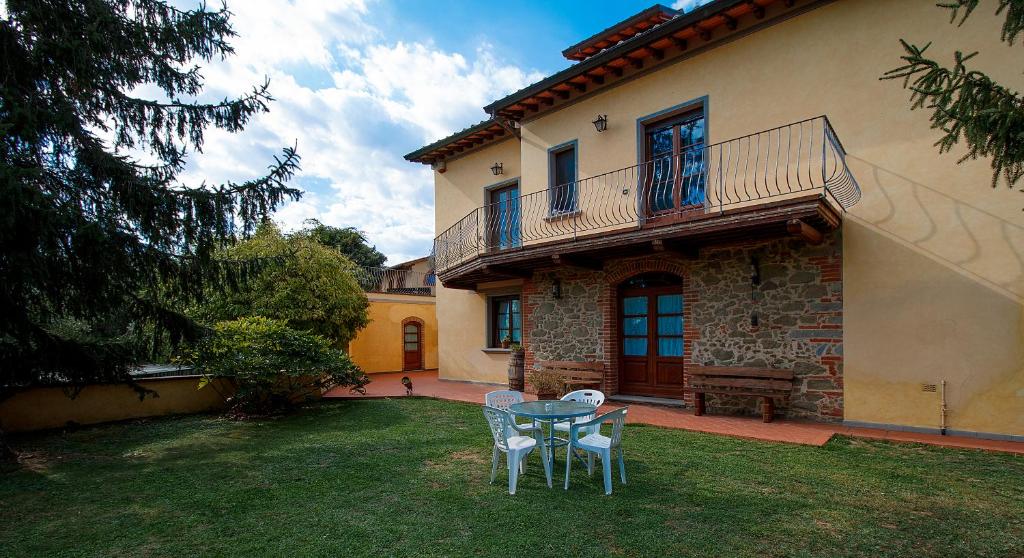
(43, 408)
(463, 349)
(461, 315)
(934, 257)
(378, 347)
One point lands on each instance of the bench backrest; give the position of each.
(574, 370)
(740, 378)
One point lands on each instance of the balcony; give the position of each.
(789, 180)
(395, 281)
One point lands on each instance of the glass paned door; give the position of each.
(412, 346)
(662, 169)
(670, 325)
(634, 326)
(675, 169)
(652, 340)
(503, 218)
(563, 181)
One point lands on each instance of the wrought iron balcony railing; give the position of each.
(395, 281)
(789, 161)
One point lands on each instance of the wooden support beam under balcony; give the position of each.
(577, 261)
(668, 248)
(807, 232)
(503, 271)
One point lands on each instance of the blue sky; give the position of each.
(359, 83)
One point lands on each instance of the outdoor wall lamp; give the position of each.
(496, 169)
(556, 289)
(601, 124)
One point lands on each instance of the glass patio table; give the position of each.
(552, 412)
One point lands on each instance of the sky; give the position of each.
(359, 83)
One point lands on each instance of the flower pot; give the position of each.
(547, 396)
(506, 343)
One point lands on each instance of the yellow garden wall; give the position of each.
(43, 408)
(378, 347)
(933, 256)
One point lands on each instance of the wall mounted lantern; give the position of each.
(556, 289)
(497, 169)
(601, 124)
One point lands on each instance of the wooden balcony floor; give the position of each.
(590, 250)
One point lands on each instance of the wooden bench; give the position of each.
(577, 375)
(735, 380)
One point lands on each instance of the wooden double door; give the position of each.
(651, 340)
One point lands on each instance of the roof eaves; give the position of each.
(632, 20)
(465, 132)
(600, 59)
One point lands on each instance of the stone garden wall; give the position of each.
(791, 319)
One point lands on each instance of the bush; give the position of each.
(311, 286)
(272, 366)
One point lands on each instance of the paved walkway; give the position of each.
(426, 384)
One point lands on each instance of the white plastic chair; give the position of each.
(516, 448)
(504, 399)
(592, 396)
(596, 443)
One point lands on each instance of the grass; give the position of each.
(410, 478)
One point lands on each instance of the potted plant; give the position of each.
(516, 367)
(546, 384)
(506, 342)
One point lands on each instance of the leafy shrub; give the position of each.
(271, 365)
(546, 382)
(311, 286)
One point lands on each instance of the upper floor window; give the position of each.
(675, 162)
(562, 173)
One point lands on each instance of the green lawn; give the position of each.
(409, 478)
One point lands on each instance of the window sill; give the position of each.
(554, 216)
(496, 350)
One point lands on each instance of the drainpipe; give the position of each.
(943, 409)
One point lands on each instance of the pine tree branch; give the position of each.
(1013, 24)
(142, 123)
(967, 105)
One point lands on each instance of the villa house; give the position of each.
(734, 186)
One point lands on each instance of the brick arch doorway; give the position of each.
(412, 344)
(650, 345)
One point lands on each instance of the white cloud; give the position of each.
(355, 101)
(688, 5)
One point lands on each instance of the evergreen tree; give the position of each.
(967, 104)
(96, 232)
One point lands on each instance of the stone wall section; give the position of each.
(797, 303)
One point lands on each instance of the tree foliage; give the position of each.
(269, 365)
(349, 241)
(95, 228)
(967, 105)
(302, 282)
